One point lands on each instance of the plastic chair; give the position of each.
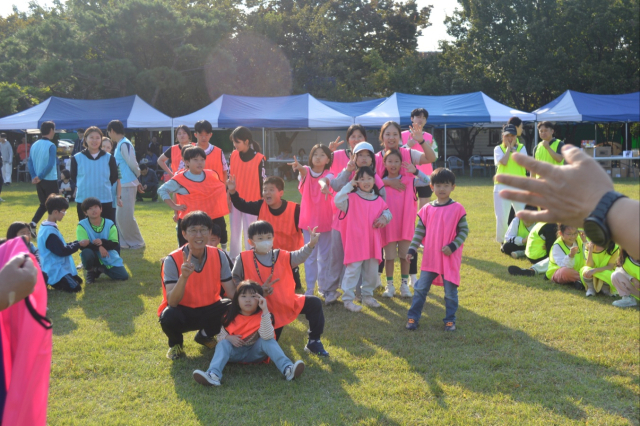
(23, 173)
(454, 163)
(476, 163)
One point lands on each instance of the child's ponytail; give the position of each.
(242, 133)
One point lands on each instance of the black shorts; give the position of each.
(424, 191)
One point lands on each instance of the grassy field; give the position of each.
(526, 351)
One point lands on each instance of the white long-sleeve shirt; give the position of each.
(342, 201)
(512, 233)
(562, 259)
(6, 150)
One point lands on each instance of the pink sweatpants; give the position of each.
(565, 275)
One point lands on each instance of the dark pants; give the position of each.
(312, 309)
(108, 212)
(508, 248)
(91, 260)
(296, 277)
(178, 320)
(148, 193)
(217, 221)
(44, 188)
(413, 265)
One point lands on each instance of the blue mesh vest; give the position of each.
(55, 266)
(126, 174)
(114, 258)
(93, 178)
(40, 157)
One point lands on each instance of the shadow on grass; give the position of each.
(487, 357)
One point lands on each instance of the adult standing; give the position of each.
(6, 150)
(79, 144)
(549, 148)
(414, 138)
(42, 167)
(128, 231)
(506, 165)
(154, 146)
(23, 149)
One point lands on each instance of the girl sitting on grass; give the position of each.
(566, 257)
(601, 261)
(247, 336)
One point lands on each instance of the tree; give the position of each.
(14, 98)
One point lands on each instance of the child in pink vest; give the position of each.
(364, 213)
(442, 229)
(316, 212)
(402, 203)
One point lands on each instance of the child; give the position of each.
(67, 187)
(247, 165)
(515, 240)
(601, 262)
(626, 280)
(247, 336)
(197, 188)
(101, 256)
(215, 159)
(397, 235)
(94, 172)
(442, 229)
(116, 188)
(549, 149)
(316, 211)
(262, 263)
(149, 182)
(506, 165)
(537, 249)
(364, 213)
(283, 215)
(55, 253)
(566, 257)
(23, 230)
(192, 277)
(174, 154)
(415, 138)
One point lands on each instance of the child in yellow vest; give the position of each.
(601, 261)
(626, 279)
(549, 149)
(566, 257)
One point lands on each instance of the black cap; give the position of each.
(509, 129)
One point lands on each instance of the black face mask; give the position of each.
(42, 320)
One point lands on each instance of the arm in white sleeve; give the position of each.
(512, 233)
(266, 327)
(342, 198)
(422, 179)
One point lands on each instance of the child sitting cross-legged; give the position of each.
(247, 335)
(101, 255)
(55, 253)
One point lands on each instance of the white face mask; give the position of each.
(263, 246)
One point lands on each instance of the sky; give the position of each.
(428, 42)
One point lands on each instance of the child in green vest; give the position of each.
(537, 249)
(549, 149)
(566, 257)
(601, 261)
(517, 236)
(626, 279)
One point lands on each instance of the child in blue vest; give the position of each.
(55, 253)
(101, 255)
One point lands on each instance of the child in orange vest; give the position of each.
(197, 189)
(215, 159)
(263, 264)
(283, 215)
(247, 336)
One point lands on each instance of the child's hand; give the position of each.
(262, 303)
(446, 250)
(395, 184)
(84, 243)
(235, 340)
(351, 165)
(335, 144)
(326, 191)
(267, 287)
(587, 275)
(409, 167)
(409, 257)
(187, 267)
(295, 165)
(179, 207)
(231, 184)
(354, 183)
(103, 252)
(175, 217)
(380, 222)
(313, 236)
(574, 251)
(97, 242)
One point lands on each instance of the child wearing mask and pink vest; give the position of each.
(442, 229)
(363, 213)
(316, 212)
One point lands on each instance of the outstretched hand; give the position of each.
(187, 267)
(416, 132)
(313, 236)
(296, 166)
(267, 287)
(410, 167)
(335, 144)
(231, 184)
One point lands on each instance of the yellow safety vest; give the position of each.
(542, 154)
(511, 168)
(578, 259)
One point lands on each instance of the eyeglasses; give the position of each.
(200, 231)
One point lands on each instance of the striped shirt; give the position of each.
(462, 232)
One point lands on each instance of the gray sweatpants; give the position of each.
(367, 270)
(128, 231)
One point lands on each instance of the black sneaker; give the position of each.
(578, 285)
(90, 276)
(514, 270)
(207, 341)
(449, 326)
(412, 325)
(316, 347)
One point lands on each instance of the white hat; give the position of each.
(363, 146)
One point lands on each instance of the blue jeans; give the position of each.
(226, 352)
(90, 260)
(421, 289)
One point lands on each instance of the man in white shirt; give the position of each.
(7, 158)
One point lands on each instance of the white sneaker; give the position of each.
(591, 292)
(379, 282)
(352, 306)
(413, 280)
(517, 254)
(206, 378)
(625, 302)
(390, 291)
(404, 291)
(370, 302)
(294, 371)
(331, 297)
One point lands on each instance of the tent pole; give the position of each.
(626, 135)
(445, 145)
(535, 132)
(595, 129)
(172, 135)
(264, 141)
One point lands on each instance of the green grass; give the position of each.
(526, 351)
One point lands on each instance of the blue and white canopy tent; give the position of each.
(471, 109)
(354, 109)
(75, 113)
(584, 107)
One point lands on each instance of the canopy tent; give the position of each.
(354, 109)
(75, 113)
(470, 108)
(577, 106)
(284, 112)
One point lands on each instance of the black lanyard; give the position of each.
(255, 263)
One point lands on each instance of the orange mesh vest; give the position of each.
(246, 326)
(247, 177)
(210, 195)
(214, 161)
(202, 288)
(284, 303)
(286, 237)
(176, 158)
